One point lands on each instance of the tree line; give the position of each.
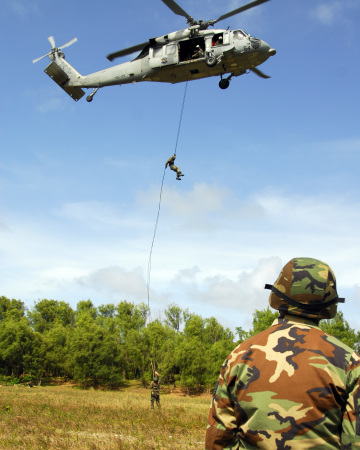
(109, 344)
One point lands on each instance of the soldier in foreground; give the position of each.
(291, 386)
(155, 390)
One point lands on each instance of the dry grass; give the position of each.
(68, 418)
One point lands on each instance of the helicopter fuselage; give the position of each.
(189, 54)
(172, 58)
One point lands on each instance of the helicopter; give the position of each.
(192, 53)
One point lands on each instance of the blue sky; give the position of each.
(271, 166)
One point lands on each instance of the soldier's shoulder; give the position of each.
(336, 342)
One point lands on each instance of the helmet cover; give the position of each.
(305, 287)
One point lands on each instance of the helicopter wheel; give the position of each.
(89, 98)
(211, 61)
(224, 84)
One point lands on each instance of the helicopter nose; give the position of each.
(266, 49)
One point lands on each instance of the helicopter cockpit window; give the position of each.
(239, 34)
(157, 52)
(218, 39)
(171, 49)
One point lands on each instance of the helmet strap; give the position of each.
(314, 306)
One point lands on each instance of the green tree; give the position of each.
(194, 326)
(215, 357)
(262, 320)
(191, 358)
(107, 311)
(174, 316)
(170, 370)
(16, 344)
(214, 332)
(86, 306)
(95, 356)
(130, 316)
(47, 313)
(35, 362)
(155, 335)
(136, 351)
(7, 305)
(340, 328)
(57, 341)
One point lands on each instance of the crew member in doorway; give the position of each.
(218, 42)
(199, 52)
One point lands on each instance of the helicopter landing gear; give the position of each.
(225, 83)
(211, 61)
(89, 98)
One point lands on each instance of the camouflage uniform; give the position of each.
(155, 392)
(292, 386)
(170, 163)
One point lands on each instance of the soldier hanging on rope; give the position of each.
(170, 163)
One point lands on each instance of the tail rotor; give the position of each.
(55, 49)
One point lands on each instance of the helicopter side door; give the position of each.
(165, 55)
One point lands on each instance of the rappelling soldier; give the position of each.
(155, 390)
(170, 163)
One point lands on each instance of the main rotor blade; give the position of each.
(69, 43)
(259, 73)
(239, 10)
(126, 51)
(175, 8)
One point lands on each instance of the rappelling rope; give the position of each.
(161, 189)
(181, 114)
(153, 239)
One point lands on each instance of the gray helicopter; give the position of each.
(189, 54)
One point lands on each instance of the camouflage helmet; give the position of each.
(305, 287)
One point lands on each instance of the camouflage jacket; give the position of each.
(290, 387)
(155, 388)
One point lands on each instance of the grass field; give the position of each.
(64, 417)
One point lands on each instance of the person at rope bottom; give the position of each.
(292, 386)
(170, 163)
(155, 390)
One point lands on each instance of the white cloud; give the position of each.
(326, 12)
(242, 293)
(23, 8)
(91, 212)
(50, 105)
(357, 291)
(198, 208)
(118, 163)
(213, 270)
(187, 274)
(330, 12)
(116, 281)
